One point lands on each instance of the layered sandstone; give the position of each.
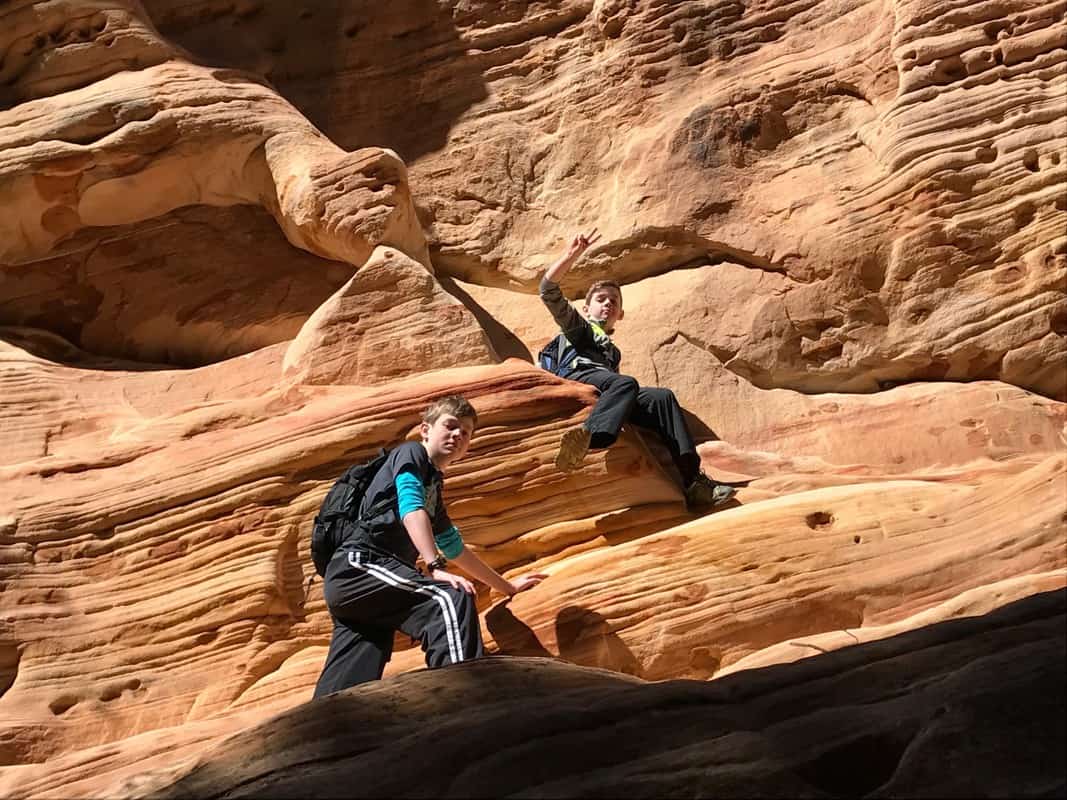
(245, 243)
(882, 183)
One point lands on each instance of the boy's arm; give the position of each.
(562, 265)
(563, 312)
(474, 566)
(417, 524)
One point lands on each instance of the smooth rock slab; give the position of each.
(972, 707)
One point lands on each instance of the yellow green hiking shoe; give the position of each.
(572, 449)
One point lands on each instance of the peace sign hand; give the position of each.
(582, 242)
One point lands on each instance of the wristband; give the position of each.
(438, 563)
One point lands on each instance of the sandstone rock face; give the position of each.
(884, 179)
(245, 243)
(103, 168)
(390, 316)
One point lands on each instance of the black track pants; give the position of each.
(623, 399)
(370, 596)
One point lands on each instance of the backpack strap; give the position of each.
(380, 507)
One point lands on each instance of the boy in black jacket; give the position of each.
(587, 354)
(372, 587)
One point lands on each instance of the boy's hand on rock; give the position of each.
(582, 242)
(526, 582)
(455, 581)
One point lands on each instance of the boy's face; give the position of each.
(447, 439)
(604, 307)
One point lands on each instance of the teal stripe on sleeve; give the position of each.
(450, 543)
(409, 493)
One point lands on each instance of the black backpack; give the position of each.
(339, 507)
(557, 355)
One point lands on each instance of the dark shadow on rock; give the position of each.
(505, 343)
(700, 430)
(513, 636)
(53, 347)
(140, 296)
(584, 637)
(366, 73)
(963, 708)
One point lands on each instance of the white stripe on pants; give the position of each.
(448, 609)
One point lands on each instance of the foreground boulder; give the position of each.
(972, 707)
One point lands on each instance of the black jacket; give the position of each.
(594, 347)
(384, 532)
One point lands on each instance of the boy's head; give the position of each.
(603, 304)
(447, 427)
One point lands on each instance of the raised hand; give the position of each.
(582, 242)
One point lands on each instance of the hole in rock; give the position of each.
(986, 155)
(1023, 214)
(9, 665)
(1058, 323)
(860, 766)
(819, 520)
(949, 70)
(1030, 159)
(917, 315)
(62, 704)
(991, 29)
(196, 286)
(704, 662)
(114, 691)
(1010, 274)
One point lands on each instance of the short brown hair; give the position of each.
(597, 285)
(453, 404)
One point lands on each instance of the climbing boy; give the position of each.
(584, 352)
(372, 587)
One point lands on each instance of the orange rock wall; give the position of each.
(245, 243)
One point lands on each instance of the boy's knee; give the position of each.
(627, 384)
(661, 394)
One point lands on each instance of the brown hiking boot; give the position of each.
(572, 449)
(704, 492)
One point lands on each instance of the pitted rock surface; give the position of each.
(245, 243)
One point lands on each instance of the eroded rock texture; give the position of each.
(244, 244)
(881, 181)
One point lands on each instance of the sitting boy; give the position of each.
(587, 354)
(371, 585)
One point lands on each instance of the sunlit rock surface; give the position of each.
(245, 243)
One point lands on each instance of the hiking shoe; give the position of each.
(572, 449)
(705, 492)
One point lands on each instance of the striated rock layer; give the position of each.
(874, 190)
(155, 566)
(245, 243)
